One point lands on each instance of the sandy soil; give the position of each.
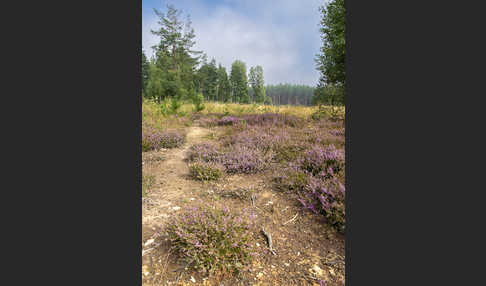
(307, 249)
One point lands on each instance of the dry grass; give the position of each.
(152, 114)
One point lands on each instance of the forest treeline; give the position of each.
(178, 72)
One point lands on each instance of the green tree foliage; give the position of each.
(156, 83)
(290, 94)
(174, 57)
(239, 82)
(198, 101)
(224, 88)
(209, 80)
(329, 95)
(331, 60)
(145, 71)
(257, 84)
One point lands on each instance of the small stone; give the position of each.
(258, 244)
(176, 208)
(286, 264)
(193, 280)
(272, 266)
(316, 269)
(259, 275)
(191, 199)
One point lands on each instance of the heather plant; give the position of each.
(154, 139)
(272, 119)
(228, 120)
(291, 179)
(213, 239)
(205, 171)
(327, 161)
(204, 152)
(242, 159)
(326, 197)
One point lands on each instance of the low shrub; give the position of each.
(242, 159)
(228, 120)
(154, 139)
(213, 239)
(326, 197)
(315, 179)
(204, 152)
(319, 160)
(198, 101)
(272, 119)
(205, 171)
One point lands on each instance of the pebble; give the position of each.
(193, 280)
(176, 208)
(258, 244)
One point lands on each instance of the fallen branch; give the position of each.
(291, 219)
(145, 251)
(269, 239)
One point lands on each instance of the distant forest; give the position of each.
(178, 72)
(292, 94)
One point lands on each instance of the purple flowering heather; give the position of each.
(326, 197)
(229, 120)
(318, 160)
(242, 159)
(272, 119)
(215, 239)
(204, 152)
(154, 139)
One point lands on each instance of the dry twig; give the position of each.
(269, 239)
(291, 219)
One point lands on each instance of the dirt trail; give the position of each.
(172, 184)
(307, 248)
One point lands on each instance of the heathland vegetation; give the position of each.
(242, 183)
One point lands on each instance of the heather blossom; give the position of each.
(217, 239)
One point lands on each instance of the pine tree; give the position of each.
(174, 56)
(224, 88)
(331, 60)
(239, 82)
(257, 84)
(145, 71)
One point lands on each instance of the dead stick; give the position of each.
(291, 219)
(145, 251)
(269, 239)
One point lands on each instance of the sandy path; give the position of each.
(172, 183)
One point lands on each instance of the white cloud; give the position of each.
(281, 36)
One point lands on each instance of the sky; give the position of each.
(282, 36)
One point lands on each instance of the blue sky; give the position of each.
(280, 35)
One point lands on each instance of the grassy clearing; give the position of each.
(159, 114)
